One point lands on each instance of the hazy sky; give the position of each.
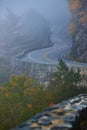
(54, 12)
(51, 9)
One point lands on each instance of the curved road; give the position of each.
(52, 54)
(48, 55)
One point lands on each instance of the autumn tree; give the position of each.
(21, 98)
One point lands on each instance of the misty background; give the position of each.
(26, 25)
(32, 22)
(51, 9)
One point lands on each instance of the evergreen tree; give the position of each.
(64, 75)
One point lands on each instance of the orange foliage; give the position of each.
(83, 19)
(75, 4)
(29, 106)
(51, 104)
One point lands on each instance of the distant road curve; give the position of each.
(51, 55)
(48, 55)
(71, 62)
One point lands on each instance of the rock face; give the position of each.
(67, 115)
(78, 28)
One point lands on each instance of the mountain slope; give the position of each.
(78, 28)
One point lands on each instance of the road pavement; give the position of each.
(51, 54)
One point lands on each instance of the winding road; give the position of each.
(45, 56)
(48, 55)
(51, 54)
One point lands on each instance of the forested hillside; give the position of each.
(22, 97)
(78, 29)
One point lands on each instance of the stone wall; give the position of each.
(69, 114)
(41, 72)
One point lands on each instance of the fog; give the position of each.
(47, 16)
(51, 9)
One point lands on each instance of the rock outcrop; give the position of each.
(78, 28)
(66, 115)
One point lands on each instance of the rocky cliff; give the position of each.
(78, 29)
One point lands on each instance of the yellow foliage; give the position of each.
(20, 99)
(72, 27)
(6, 94)
(34, 91)
(29, 106)
(27, 82)
(26, 92)
(83, 19)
